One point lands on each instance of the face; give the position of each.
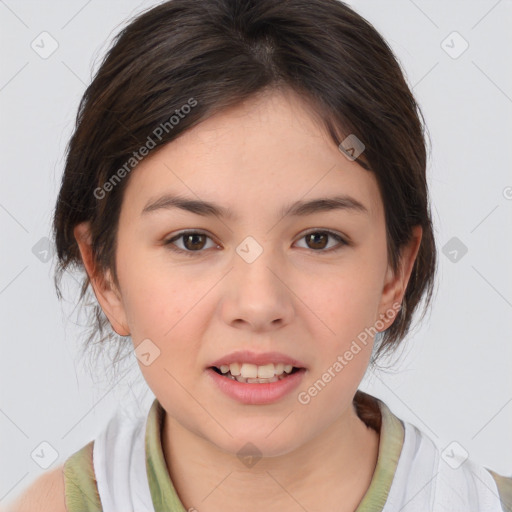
(251, 278)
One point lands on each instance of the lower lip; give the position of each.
(257, 394)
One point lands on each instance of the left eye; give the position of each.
(195, 241)
(318, 240)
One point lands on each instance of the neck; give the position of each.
(331, 471)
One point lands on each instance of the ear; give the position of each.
(104, 288)
(395, 283)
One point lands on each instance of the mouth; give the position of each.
(247, 373)
(254, 378)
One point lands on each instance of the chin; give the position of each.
(257, 440)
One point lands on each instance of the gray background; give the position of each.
(453, 378)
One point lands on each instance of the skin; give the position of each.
(307, 302)
(45, 494)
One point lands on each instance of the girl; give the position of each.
(246, 191)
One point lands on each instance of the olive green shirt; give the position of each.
(81, 492)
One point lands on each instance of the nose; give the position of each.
(257, 296)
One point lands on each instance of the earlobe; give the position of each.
(395, 284)
(102, 283)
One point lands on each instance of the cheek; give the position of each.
(154, 297)
(345, 301)
(163, 304)
(344, 344)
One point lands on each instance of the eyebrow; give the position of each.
(298, 208)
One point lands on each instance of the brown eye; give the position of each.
(318, 240)
(194, 241)
(191, 242)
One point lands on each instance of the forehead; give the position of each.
(261, 155)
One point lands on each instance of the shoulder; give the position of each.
(81, 486)
(45, 494)
(450, 478)
(504, 485)
(71, 487)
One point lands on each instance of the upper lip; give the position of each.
(259, 359)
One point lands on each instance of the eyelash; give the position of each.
(169, 242)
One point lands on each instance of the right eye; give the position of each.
(193, 242)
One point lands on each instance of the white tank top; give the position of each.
(119, 458)
(423, 481)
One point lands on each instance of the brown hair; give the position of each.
(220, 52)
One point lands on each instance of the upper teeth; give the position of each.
(252, 371)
